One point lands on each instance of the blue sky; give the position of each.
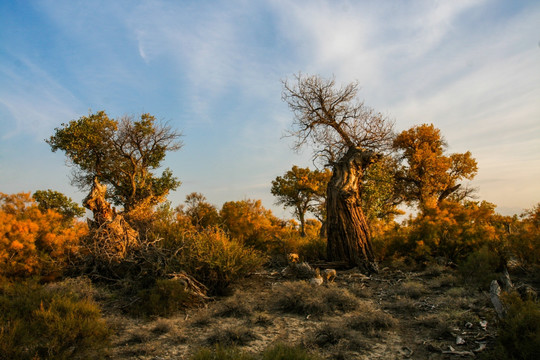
(213, 70)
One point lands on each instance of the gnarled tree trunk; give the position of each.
(349, 238)
(111, 237)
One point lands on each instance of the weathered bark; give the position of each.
(111, 237)
(349, 237)
(101, 208)
(495, 296)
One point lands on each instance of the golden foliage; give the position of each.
(34, 242)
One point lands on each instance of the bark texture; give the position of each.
(349, 237)
(111, 235)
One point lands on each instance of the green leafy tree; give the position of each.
(303, 190)
(427, 175)
(122, 153)
(378, 193)
(54, 200)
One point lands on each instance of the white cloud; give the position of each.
(35, 101)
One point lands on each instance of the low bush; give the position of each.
(411, 289)
(163, 299)
(35, 242)
(232, 336)
(302, 298)
(214, 259)
(37, 323)
(237, 306)
(335, 334)
(479, 268)
(519, 331)
(371, 320)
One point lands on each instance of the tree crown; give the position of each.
(332, 120)
(121, 153)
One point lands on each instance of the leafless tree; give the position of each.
(347, 136)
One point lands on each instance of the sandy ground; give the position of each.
(435, 317)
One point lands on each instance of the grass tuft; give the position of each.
(232, 336)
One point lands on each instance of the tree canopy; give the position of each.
(332, 120)
(122, 153)
(303, 190)
(427, 176)
(201, 213)
(54, 200)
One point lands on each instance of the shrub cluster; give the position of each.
(34, 241)
(519, 331)
(39, 323)
(213, 258)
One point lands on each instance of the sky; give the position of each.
(214, 70)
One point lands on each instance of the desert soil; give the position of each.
(435, 317)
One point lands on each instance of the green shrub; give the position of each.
(314, 249)
(40, 324)
(214, 259)
(164, 298)
(287, 352)
(479, 268)
(519, 331)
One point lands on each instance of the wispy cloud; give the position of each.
(34, 100)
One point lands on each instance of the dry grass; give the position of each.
(161, 327)
(389, 316)
(370, 320)
(232, 336)
(236, 306)
(411, 289)
(305, 299)
(335, 335)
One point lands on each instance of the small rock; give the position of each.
(460, 340)
(481, 347)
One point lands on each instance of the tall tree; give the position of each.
(348, 137)
(300, 188)
(122, 153)
(427, 176)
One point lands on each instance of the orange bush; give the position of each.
(34, 242)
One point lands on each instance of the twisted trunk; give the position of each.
(111, 237)
(348, 232)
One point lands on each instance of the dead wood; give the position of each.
(494, 295)
(111, 237)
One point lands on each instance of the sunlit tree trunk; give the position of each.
(349, 238)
